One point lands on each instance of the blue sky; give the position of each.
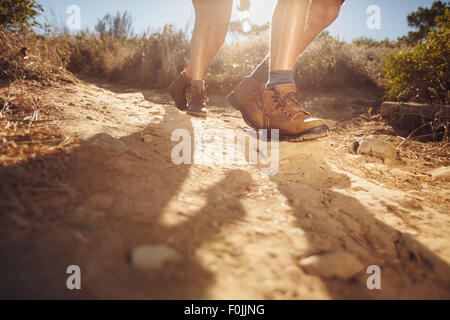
(154, 14)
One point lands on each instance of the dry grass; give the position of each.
(411, 174)
(32, 157)
(154, 60)
(330, 63)
(151, 61)
(28, 56)
(27, 62)
(27, 130)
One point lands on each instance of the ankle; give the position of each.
(197, 87)
(185, 76)
(277, 77)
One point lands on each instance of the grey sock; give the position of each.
(277, 77)
(261, 73)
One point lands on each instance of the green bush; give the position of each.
(19, 13)
(422, 74)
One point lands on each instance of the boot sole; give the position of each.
(197, 114)
(311, 134)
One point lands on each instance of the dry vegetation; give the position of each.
(153, 60)
(32, 147)
(47, 180)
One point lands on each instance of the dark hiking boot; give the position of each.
(247, 97)
(177, 91)
(197, 104)
(281, 110)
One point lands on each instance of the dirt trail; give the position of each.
(238, 234)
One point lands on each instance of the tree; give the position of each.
(423, 19)
(117, 26)
(19, 13)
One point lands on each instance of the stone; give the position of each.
(440, 174)
(153, 256)
(108, 143)
(340, 264)
(377, 148)
(147, 138)
(353, 147)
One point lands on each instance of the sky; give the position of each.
(154, 14)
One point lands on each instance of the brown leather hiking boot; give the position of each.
(177, 91)
(281, 110)
(247, 97)
(197, 105)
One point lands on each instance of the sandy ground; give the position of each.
(237, 233)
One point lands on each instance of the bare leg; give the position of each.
(320, 15)
(288, 30)
(212, 18)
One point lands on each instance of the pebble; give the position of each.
(108, 143)
(147, 138)
(441, 174)
(340, 264)
(374, 147)
(153, 256)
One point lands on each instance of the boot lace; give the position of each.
(289, 104)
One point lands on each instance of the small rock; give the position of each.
(147, 138)
(377, 148)
(153, 256)
(101, 200)
(258, 230)
(441, 174)
(353, 148)
(108, 143)
(339, 264)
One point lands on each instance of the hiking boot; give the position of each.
(177, 91)
(281, 110)
(247, 97)
(197, 104)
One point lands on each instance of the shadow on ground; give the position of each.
(92, 206)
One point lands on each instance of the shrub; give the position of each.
(234, 61)
(18, 13)
(329, 62)
(156, 59)
(150, 61)
(93, 55)
(422, 74)
(25, 55)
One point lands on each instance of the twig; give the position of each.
(412, 133)
(443, 148)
